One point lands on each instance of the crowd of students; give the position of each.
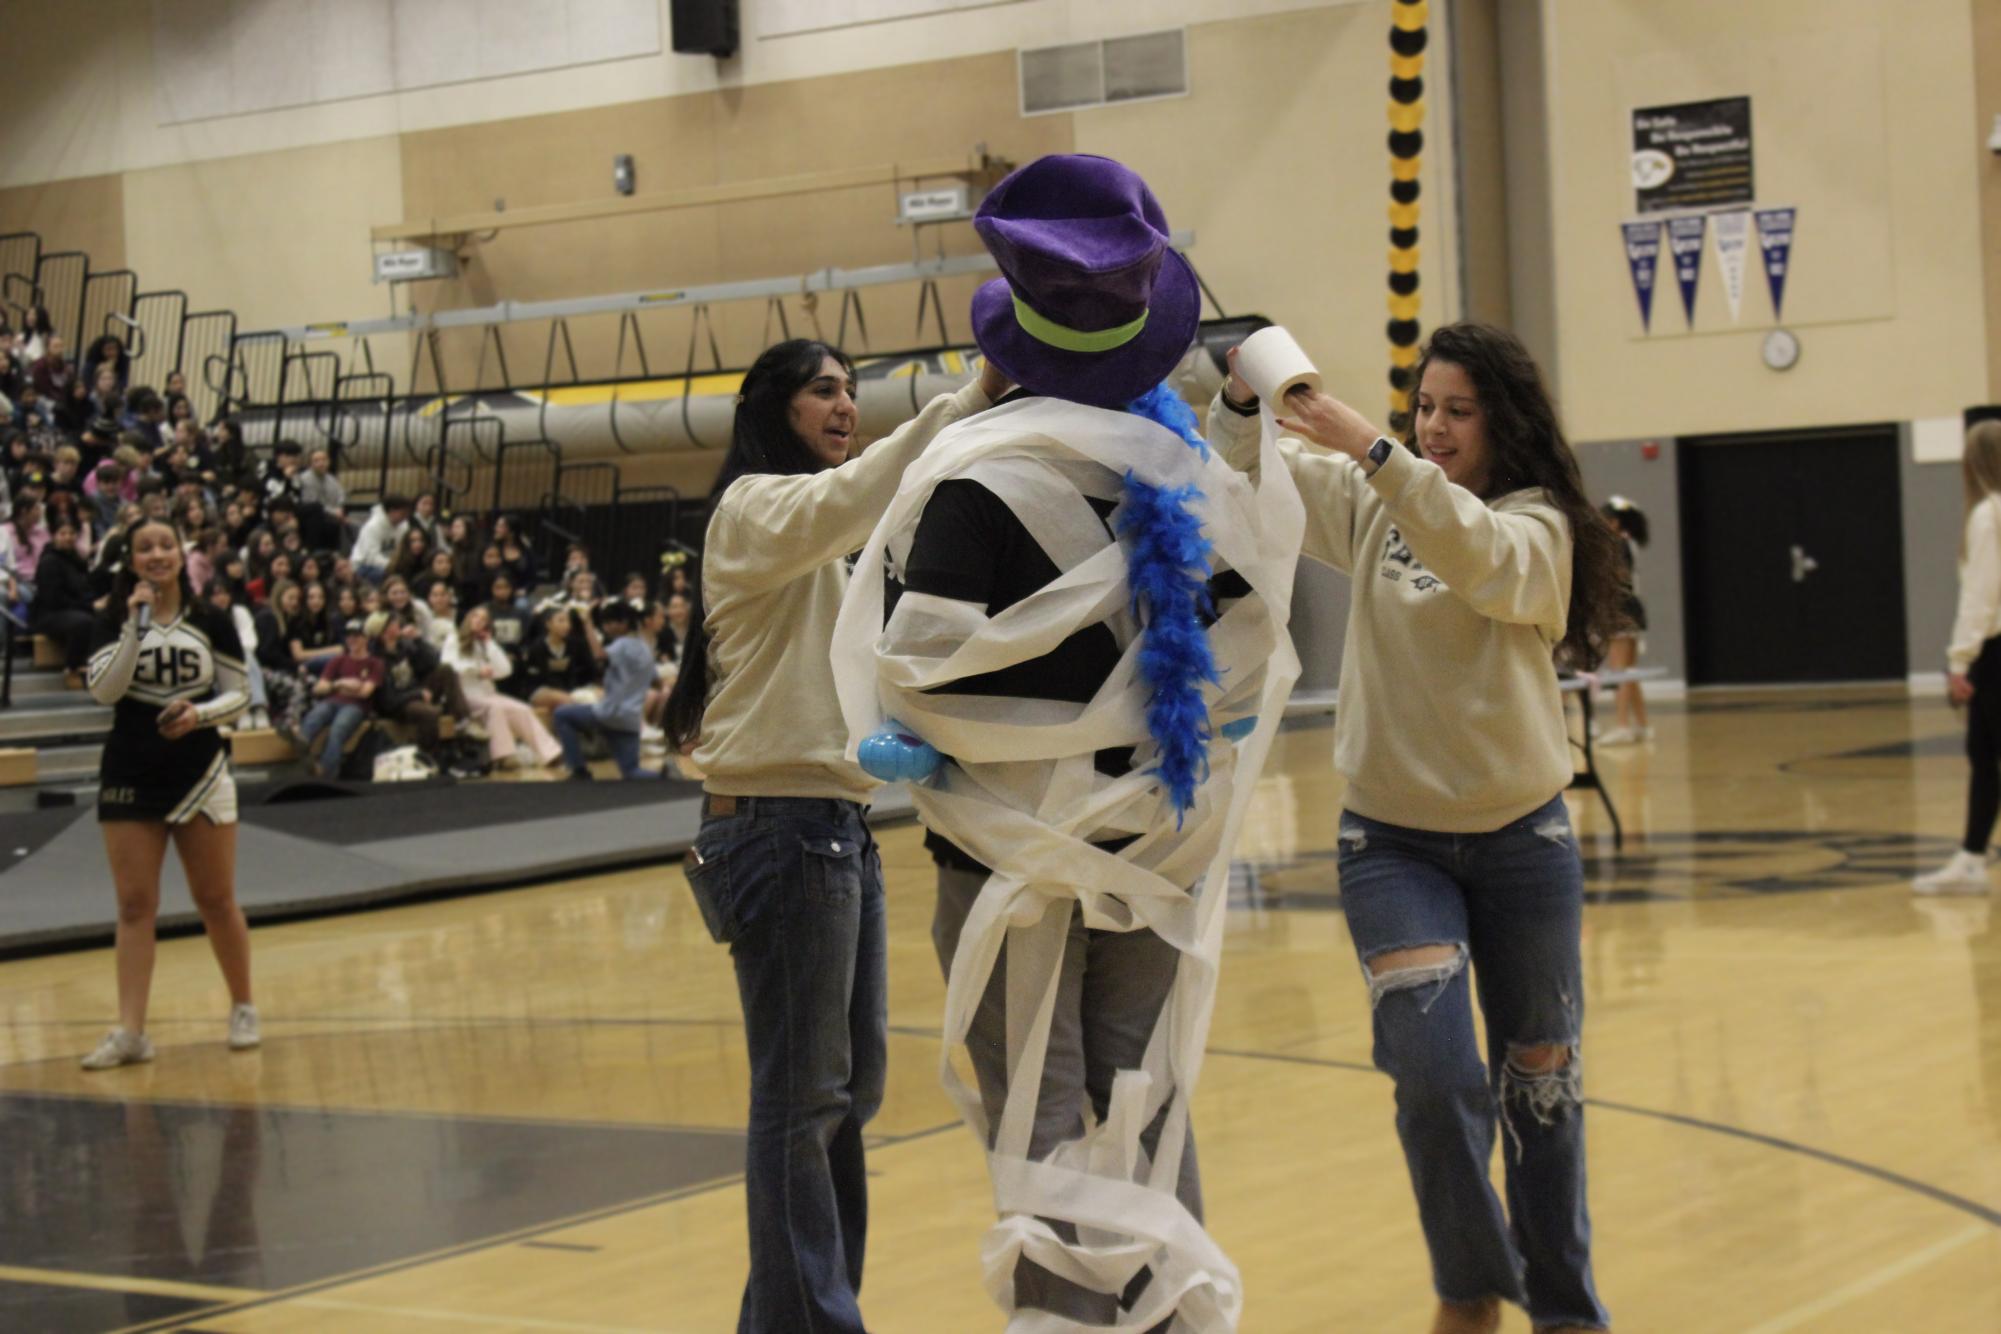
(439, 615)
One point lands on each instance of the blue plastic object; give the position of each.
(1241, 728)
(895, 755)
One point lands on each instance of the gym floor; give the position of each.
(523, 1110)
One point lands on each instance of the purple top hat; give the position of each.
(1093, 304)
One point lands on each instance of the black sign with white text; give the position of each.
(1696, 155)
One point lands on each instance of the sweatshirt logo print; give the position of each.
(1396, 552)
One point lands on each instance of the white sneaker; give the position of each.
(1616, 736)
(1966, 873)
(243, 1034)
(120, 1048)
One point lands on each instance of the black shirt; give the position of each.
(407, 668)
(62, 583)
(566, 668)
(970, 547)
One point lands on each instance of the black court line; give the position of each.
(1780, 703)
(1975, 1208)
(561, 1246)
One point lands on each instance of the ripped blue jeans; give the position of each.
(1510, 902)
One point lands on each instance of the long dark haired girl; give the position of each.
(762, 440)
(784, 870)
(1473, 555)
(1530, 451)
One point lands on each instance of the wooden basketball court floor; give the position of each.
(519, 1111)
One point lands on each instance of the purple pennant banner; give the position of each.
(1685, 238)
(1775, 243)
(1643, 257)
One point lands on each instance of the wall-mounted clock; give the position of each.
(1782, 349)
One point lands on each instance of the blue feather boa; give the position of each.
(1167, 568)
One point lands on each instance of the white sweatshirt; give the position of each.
(376, 544)
(1450, 719)
(1979, 618)
(772, 584)
(477, 686)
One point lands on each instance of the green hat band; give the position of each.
(1045, 330)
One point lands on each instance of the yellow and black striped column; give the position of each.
(1407, 42)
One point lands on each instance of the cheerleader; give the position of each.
(174, 669)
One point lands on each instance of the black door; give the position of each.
(1793, 557)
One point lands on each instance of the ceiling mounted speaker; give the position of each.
(705, 28)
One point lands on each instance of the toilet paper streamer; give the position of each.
(1020, 793)
(1273, 365)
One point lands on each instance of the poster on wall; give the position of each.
(1775, 243)
(1685, 237)
(1643, 256)
(1733, 240)
(1693, 155)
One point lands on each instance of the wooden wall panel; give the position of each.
(87, 214)
(735, 134)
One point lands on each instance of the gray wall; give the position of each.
(1526, 184)
(1934, 511)
(1620, 468)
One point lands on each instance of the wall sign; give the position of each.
(1693, 155)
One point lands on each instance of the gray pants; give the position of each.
(1111, 988)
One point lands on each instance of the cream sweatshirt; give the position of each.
(1449, 718)
(1979, 616)
(772, 583)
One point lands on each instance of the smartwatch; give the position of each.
(1379, 453)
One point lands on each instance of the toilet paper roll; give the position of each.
(1273, 365)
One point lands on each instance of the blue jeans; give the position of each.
(339, 718)
(254, 672)
(793, 885)
(1512, 902)
(576, 721)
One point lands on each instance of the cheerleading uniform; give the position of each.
(196, 657)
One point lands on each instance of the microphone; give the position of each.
(145, 617)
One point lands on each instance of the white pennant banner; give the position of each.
(1733, 244)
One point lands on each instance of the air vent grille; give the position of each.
(1100, 73)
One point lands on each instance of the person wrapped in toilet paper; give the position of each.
(1081, 596)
